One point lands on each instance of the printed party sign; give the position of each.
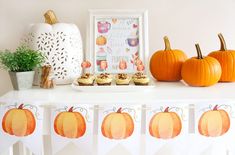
(119, 128)
(72, 124)
(166, 126)
(116, 40)
(21, 122)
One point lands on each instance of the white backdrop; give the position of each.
(184, 21)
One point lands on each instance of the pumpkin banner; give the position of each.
(166, 126)
(21, 122)
(119, 128)
(74, 124)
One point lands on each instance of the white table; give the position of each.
(161, 92)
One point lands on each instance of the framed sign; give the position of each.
(115, 36)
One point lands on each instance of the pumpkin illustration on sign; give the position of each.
(103, 64)
(201, 71)
(165, 125)
(226, 59)
(101, 40)
(214, 123)
(70, 124)
(122, 65)
(165, 65)
(117, 125)
(19, 122)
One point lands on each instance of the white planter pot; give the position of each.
(62, 45)
(22, 80)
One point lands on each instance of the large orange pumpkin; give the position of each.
(227, 61)
(214, 123)
(201, 71)
(70, 124)
(165, 125)
(165, 65)
(19, 122)
(117, 125)
(101, 40)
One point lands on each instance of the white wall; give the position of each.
(184, 21)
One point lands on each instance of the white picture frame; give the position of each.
(139, 16)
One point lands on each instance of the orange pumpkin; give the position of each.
(165, 65)
(214, 123)
(117, 125)
(70, 124)
(165, 125)
(101, 40)
(226, 59)
(201, 71)
(19, 122)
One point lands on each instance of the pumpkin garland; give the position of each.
(117, 125)
(226, 59)
(165, 65)
(165, 125)
(70, 124)
(214, 123)
(201, 71)
(19, 122)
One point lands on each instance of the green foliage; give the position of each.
(22, 60)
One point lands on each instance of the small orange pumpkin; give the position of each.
(165, 125)
(165, 65)
(19, 122)
(101, 40)
(214, 123)
(201, 71)
(117, 125)
(226, 59)
(70, 124)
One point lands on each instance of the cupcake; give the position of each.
(104, 79)
(86, 80)
(122, 79)
(140, 79)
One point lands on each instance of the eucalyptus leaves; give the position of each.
(22, 60)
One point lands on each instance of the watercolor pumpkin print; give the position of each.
(165, 125)
(70, 124)
(117, 125)
(214, 123)
(116, 39)
(19, 121)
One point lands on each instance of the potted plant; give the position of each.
(21, 65)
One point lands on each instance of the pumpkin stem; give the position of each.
(199, 52)
(50, 17)
(167, 44)
(222, 42)
(216, 107)
(167, 109)
(21, 106)
(71, 109)
(119, 110)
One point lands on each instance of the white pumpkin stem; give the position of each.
(167, 44)
(222, 42)
(21, 106)
(119, 110)
(50, 17)
(215, 108)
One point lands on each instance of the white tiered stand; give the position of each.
(161, 92)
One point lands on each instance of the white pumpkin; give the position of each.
(62, 45)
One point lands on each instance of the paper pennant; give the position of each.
(119, 128)
(72, 124)
(21, 122)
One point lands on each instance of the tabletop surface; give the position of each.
(162, 91)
